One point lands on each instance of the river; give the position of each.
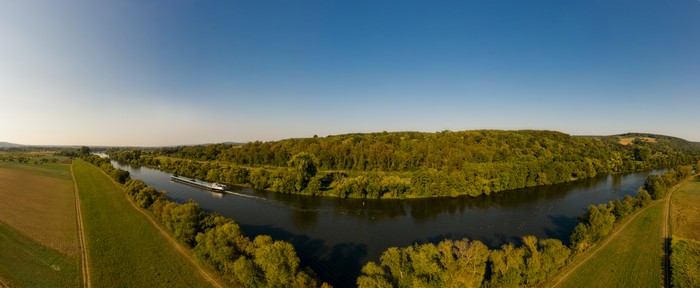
(336, 237)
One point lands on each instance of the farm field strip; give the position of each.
(124, 249)
(84, 263)
(25, 262)
(685, 236)
(666, 236)
(183, 251)
(685, 212)
(38, 226)
(39, 202)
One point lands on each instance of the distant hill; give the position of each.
(658, 142)
(8, 144)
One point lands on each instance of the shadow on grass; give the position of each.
(666, 263)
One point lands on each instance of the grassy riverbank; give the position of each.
(631, 259)
(38, 233)
(124, 248)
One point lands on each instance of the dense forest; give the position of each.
(416, 164)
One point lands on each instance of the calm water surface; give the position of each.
(336, 237)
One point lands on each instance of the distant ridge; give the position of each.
(8, 144)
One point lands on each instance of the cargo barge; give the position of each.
(199, 184)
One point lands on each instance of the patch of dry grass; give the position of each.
(685, 211)
(628, 140)
(38, 201)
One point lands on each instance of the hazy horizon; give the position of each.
(133, 73)
(244, 142)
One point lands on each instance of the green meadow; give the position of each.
(124, 248)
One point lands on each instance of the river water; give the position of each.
(336, 237)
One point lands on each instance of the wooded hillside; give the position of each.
(417, 164)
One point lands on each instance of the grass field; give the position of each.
(632, 259)
(38, 233)
(124, 249)
(685, 247)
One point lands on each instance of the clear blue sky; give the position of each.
(182, 72)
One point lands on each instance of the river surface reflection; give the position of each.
(336, 237)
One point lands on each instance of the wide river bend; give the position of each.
(336, 237)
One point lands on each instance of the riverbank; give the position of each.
(630, 256)
(422, 184)
(122, 242)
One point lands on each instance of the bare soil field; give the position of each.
(38, 201)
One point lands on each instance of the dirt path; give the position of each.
(184, 251)
(666, 234)
(84, 264)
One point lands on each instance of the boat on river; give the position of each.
(199, 184)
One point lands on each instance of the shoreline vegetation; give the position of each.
(401, 165)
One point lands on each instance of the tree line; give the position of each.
(410, 151)
(412, 164)
(217, 241)
(465, 263)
